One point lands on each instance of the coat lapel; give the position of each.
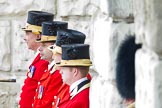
(36, 59)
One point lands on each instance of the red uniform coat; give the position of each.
(89, 76)
(36, 70)
(79, 100)
(49, 85)
(62, 97)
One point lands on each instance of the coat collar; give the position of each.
(37, 58)
(80, 87)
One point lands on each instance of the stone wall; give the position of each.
(8, 94)
(105, 23)
(148, 26)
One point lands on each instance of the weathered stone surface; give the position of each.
(11, 7)
(110, 96)
(95, 91)
(148, 31)
(107, 37)
(8, 94)
(104, 94)
(16, 7)
(139, 14)
(82, 26)
(148, 79)
(21, 55)
(75, 7)
(120, 8)
(5, 39)
(148, 24)
(101, 32)
(45, 5)
(103, 5)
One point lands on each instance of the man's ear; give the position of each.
(38, 36)
(75, 71)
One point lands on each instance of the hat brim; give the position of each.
(26, 29)
(72, 65)
(80, 62)
(58, 50)
(44, 41)
(55, 49)
(33, 28)
(51, 47)
(47, 39)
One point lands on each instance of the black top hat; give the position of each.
(68, 36)
(50, 28)
(75, 55)
(35, 19)
(125, 68)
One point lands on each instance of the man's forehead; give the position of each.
(43, 43)
(64, 67)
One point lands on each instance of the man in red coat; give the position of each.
(37, 67)
(51, 81)
(74, 69)
(67, 36)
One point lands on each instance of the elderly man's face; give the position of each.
(45, 53)
(30, 40)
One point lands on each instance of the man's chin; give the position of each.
(42, 58)
(31, 49)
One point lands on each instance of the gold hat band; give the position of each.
(47, 38)
(35, 29)
(78, 62)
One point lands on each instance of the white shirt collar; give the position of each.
(51, 64)
(76, 83)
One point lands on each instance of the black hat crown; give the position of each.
(69, 36)
(75, 51)
(75, 55)
(37, 17)
(125, 68)
(50, 28)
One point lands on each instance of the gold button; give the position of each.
(53, 103)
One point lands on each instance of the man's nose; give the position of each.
(24, 38)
